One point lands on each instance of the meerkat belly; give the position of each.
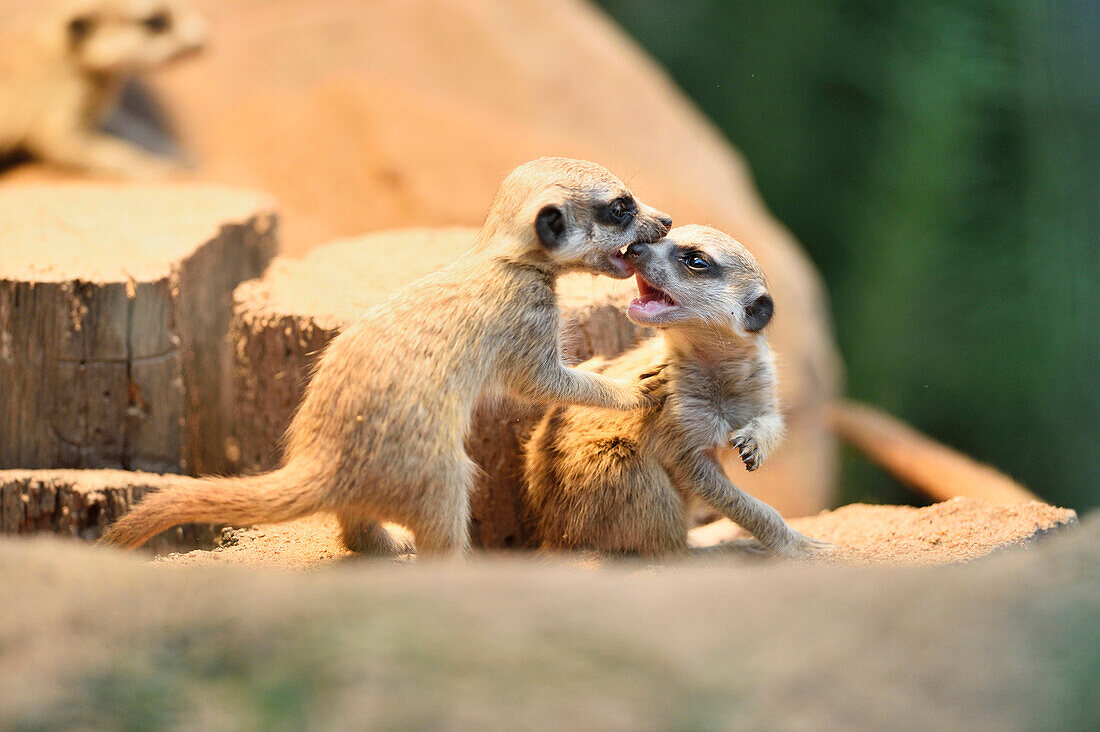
(696, 420)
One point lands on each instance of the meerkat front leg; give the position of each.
(564, 385)
(698, 472)
(548, 379)
(102, 153)
(756, 440)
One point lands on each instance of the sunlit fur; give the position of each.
(64, 74)
(379, 435)
(618, 482)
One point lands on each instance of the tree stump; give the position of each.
(82, 503)
(282, 322)
(115, 304)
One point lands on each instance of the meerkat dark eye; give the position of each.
(758, 313)
(550, 227)
(618, 212)
(158, 22)
(80, 27)
(696, 261)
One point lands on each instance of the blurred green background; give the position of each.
(940, 161)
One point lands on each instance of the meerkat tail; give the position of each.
(269, 498)
(931, 467)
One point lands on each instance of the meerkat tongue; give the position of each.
(650, 300)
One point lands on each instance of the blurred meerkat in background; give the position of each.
(619, 482)
(61, 77)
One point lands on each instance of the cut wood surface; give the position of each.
(114, 310)
(283, 321)
(81, 503)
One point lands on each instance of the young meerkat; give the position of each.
(380, 432)
(619, 482)
(61, 78)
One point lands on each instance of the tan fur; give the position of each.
(618, 482)
(62, 76)
(379, 435)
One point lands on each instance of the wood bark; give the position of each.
(82, 503)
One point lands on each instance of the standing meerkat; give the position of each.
(618, 482)
(59, 80)
(380, 433)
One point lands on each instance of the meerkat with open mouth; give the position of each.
(62, 77)
(618, 482)
(380, 433)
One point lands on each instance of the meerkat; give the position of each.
(619, 482)
(379, 436)
(62, 77)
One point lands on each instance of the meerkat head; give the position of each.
(572, 214)
(699, 276)
(125, 37)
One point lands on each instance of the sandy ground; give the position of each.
(955, 531)
(90, 638)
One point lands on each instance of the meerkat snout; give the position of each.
(635, 250)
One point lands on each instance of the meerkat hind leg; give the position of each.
(440, 523)
(747, 511)
(364, 535)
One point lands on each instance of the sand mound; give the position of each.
(959, 530)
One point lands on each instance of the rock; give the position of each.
(81, 503)
(114, 309)
(282, 322)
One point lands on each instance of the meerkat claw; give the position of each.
(749, 450)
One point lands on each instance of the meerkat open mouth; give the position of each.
(617, 260)
(652, 301)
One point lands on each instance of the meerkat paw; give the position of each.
(647, 399)
(751, 452)
(800, 546)
(644, 394)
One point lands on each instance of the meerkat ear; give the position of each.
(758, 313)
(550, 226)
(79, 27)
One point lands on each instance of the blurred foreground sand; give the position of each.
(92, 638)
